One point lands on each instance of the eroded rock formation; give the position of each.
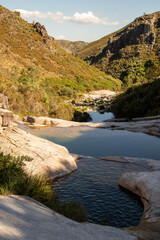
(6, 116)
(43, 32)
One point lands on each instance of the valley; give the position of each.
(79, 130)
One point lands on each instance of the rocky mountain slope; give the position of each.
(37, 74)
(131, 54)
(72, 46)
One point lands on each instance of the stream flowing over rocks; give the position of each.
(23, 218)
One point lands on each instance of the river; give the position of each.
(95, 183)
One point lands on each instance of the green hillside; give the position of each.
(37, 74)
(131, 54)
(139, 101)
(72, 46)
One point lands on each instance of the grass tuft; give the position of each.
(14, 180)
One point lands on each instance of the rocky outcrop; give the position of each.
(6, 116)
(146, 185)
(46, 121)
(43, 32)
(49, 159)
(151, 127)
(98, 95)
(144, 125)
(40, 29)
(141, 31)
(24, 218)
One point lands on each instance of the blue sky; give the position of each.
(86, 20)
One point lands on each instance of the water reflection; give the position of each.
(100, 117)
(103, 142)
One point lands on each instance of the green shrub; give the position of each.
(138, 101)
(14, 180)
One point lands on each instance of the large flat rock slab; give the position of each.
(25, 219)
(151, 127)
(49, 159)
(46, 121)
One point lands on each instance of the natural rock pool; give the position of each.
(95, 183)
(102, 142)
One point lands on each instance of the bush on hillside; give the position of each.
(14, 180)
(138, 101)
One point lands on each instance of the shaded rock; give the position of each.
(40, 29)
(49, 159)
(23, 218)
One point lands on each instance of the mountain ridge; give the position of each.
(138, 41)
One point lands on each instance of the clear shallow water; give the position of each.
(103, 142)
(100, 117)
(95, 183)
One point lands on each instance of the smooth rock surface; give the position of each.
(46, 121)
(147, 186)
(151, 127)
(16, 118)
(49, 159)
(6, 118)
(152, 164)
(25, 219)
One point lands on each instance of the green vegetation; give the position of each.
(14, 180)
(131, 54)
(38, 76)
(138, 71)
(139, 101)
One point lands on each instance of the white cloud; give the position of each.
(81, 18)
(60, 37)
